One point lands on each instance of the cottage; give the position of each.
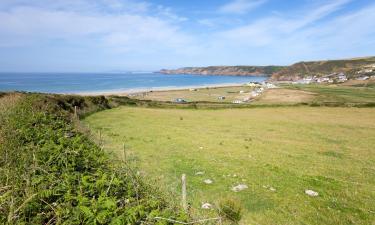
(254, 94)
(269, 85)
(341, 77)
(323, 79)
(180, 100)
(237, 102)
(363, 78)
(253, 84)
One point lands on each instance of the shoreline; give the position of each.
(143, 90)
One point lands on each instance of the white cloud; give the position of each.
(128, 33)
(89, 22)
(270, 29)
(241, 6)
(312, 34)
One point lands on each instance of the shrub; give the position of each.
(230, 209)
(50, 173)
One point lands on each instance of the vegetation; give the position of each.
(52, 173)
(278, 152)
(319, 68)
(339, 95)
(230, 209)
(287, 95)
(227, 70)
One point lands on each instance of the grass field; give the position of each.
(201, 94)
(339, 94)
(277, 152)
(313, 94)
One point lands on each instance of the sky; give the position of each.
(148, 35)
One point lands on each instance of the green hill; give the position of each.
(350, 67)
(226, 70)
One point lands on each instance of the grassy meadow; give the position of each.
(211, 94)
(338, 94)
(351, 94)
(277, 152)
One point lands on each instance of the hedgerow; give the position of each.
(50, 173)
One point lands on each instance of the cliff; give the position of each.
(351, 67)
(226, 70)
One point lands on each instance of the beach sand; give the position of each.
(144, 90)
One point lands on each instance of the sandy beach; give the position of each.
(126, 92)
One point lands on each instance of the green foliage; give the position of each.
(320, 68)
(230, 209)
(50, 173)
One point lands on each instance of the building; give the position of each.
(342, 77)
(180, 100)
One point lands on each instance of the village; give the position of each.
(365, 73)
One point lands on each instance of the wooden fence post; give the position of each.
(124, 151)
(100, 136)
(75, 112)
(184, 204)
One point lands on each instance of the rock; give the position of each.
(206, 206)
(272, 189)
(208, 181)
(69, 134)
(199, 173)
(239, 187)
(201, 148)
(311, 193)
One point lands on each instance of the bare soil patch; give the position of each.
(280, 95)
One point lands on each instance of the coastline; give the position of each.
(126, 92)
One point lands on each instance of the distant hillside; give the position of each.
(351, 67)
(226, 70)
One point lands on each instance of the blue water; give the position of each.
(109, 82)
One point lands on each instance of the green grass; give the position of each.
(339, 94)
(200, 95)
(329, 150)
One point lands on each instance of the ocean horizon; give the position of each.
(81, 83)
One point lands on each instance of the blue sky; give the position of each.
(121, 35)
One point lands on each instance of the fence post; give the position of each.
(100, 136)
(124, 151)
(184, 204)
(75, 112)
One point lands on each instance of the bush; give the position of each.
(230, 209)
(50, 173)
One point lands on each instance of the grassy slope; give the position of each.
(301, 69)
(202, 94)
(331, 95)
(52, 173)
(338, 94)
(329, 150)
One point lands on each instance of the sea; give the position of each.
(81, 83)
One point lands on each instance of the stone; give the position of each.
(239, 187)
(208, 181)
(311, 193)
(199, 173)
(206, 206)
